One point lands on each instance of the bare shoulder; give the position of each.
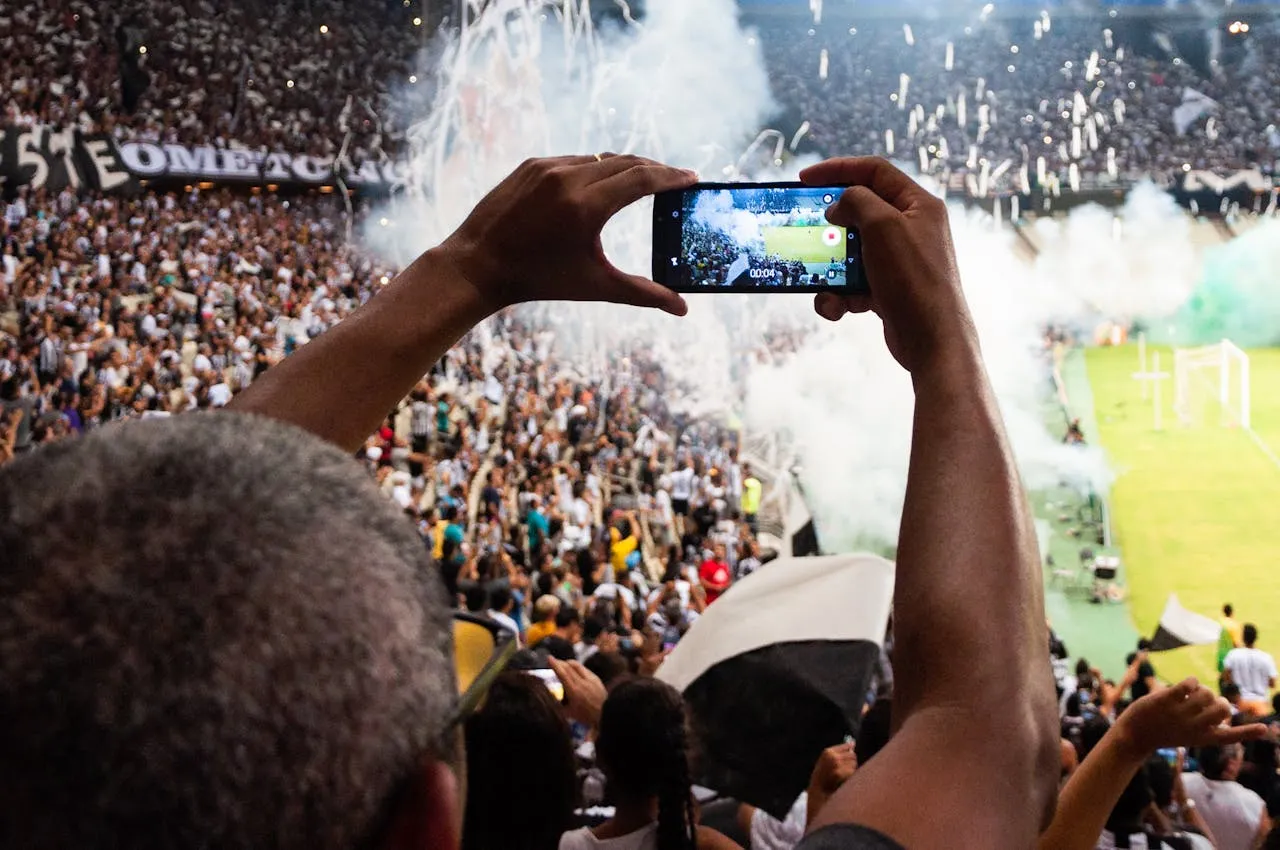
(709, 839)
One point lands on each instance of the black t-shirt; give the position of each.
(1140, 689)
(847, 837)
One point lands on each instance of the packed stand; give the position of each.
(306, 76)
(998, 95)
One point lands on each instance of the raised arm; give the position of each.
(536, 237)
(1186, 715)
(974, 705)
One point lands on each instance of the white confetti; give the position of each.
(950, 61)
(1211, 129)
(1015, 205)
(972, 162)
(908, 35)
(984, 179)
(1120, 54)
(1078, 109)
(979, 91)
(822, 64)
(913, 124)
(1039, 34)
(1045, 21)
(924, 159)
(1091, 67)
(1108, 38)
(904, 83)
(1041, 170)
(1091, 135)
(815, 6)
(888, 142)
(800, 134)
(1073, 177)
(1077, 145)
(1112, 168)
(997, 211)
(962, 113)
(1118, 107)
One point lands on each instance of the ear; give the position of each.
(428, 815)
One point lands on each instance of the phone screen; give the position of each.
(552, 681)
(754, 237)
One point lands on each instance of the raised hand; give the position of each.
(1185, 715)
(536, 237)
(909, 259)
(584, 693)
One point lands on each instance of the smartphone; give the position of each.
(754, 237)
(551, 680)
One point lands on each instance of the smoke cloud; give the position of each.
(689, 87)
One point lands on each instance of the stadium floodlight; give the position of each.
(1217, 375)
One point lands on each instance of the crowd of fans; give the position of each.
(969, 94)
(311, 76)
(581, 513)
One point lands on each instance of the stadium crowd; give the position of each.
(973, 94)
(581, 514)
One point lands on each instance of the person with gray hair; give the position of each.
(214, 631)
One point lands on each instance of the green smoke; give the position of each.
(1238, 297)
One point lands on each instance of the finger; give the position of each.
(1239, 734)
(641, 292)
(609, 164)
(633, 183)
(861, 208)
(829, 306)
(879, 175)
(1213, 715)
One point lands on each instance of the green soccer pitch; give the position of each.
(1195, 508)
(802, 243)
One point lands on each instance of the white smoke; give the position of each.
(688, 86)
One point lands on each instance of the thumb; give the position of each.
(639, 291)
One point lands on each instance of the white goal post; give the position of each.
(1223, 369)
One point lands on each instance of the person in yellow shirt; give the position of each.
(751, 492)
(544, 619)
(621, 547)
(1232, 636)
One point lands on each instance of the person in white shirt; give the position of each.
(1253, 671)
(1236, 816)
(682, 484)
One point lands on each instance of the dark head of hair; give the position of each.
(1250, 634)
(1144, 645)
(585, 563)
(1091, 733)
(1228, 611)
(1230, 691)
(557, 647)
(609, 667)
(1214, 760)
(1082, 667)
(520, 724)
(567, 616)
(643, 747)
(148, 569)
(592, 628)
(545, 584)
(1126, 814)
(450, 512)
(499, 597)
(477, 599)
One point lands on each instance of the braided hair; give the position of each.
(644, 749)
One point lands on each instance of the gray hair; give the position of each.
(214, 632)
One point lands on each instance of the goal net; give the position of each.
(1211, 385)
